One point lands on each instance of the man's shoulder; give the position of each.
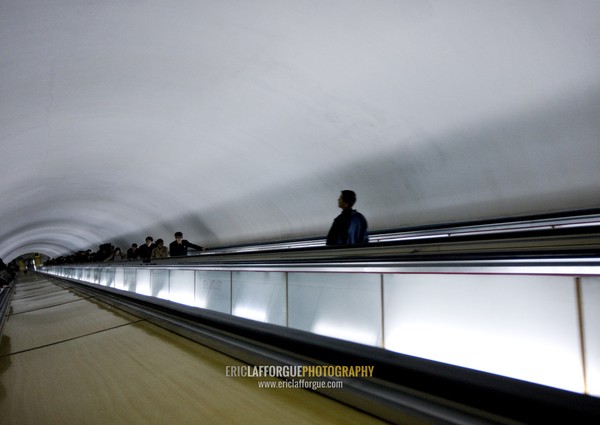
(358, 216)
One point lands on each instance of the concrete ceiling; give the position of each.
(240, 121)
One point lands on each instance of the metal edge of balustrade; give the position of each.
(562, 235)
(6, 295)
(404, 389)
(556, 220)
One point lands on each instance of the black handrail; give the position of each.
(512, 225)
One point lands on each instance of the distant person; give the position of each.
(350, 227)
(179, 247)
(160, 250)
(116, 255)
(30, 265)
(22, 265)
(133, 253)
(100, 254)
(104, 251)
(37, 258)
(146, 249)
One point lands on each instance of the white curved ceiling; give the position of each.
(240, 121)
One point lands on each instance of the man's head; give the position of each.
(347, 199)
(149, 240)
(178, 235)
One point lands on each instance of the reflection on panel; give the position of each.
(143, 282)
(119, 277)
(159, 283)
(591, 318)
(213, 290)
(181, 286)
(259, 296)
(107, 276)
(341, 305)
(130, 283)
(96, 276)
(517, 326)
(87, 275)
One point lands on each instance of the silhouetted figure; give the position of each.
(104, 251)
(160, 250)
(133, 253)
(6, 274)
(146, 249)
(350, 227)
(116, 255)
(86, 256)
(22, 265)
(179, 247)
(37, 259)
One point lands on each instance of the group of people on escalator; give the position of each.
(149, 250)
(349, 228)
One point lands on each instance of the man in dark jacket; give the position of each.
(133, 253)
(179, 247)
(350, 227)
(145, 251)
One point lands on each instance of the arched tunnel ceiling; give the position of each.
(240, 121)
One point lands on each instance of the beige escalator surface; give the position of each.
(67, 359)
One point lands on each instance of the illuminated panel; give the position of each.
(107, 276)
(96, 274)
(524, 327)
(341, 305)
(213, 290)
(181, 286)
(159, 283)
(259, 296)
(119, 277)
(591, 326)
(143, 282)
(130, 283)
